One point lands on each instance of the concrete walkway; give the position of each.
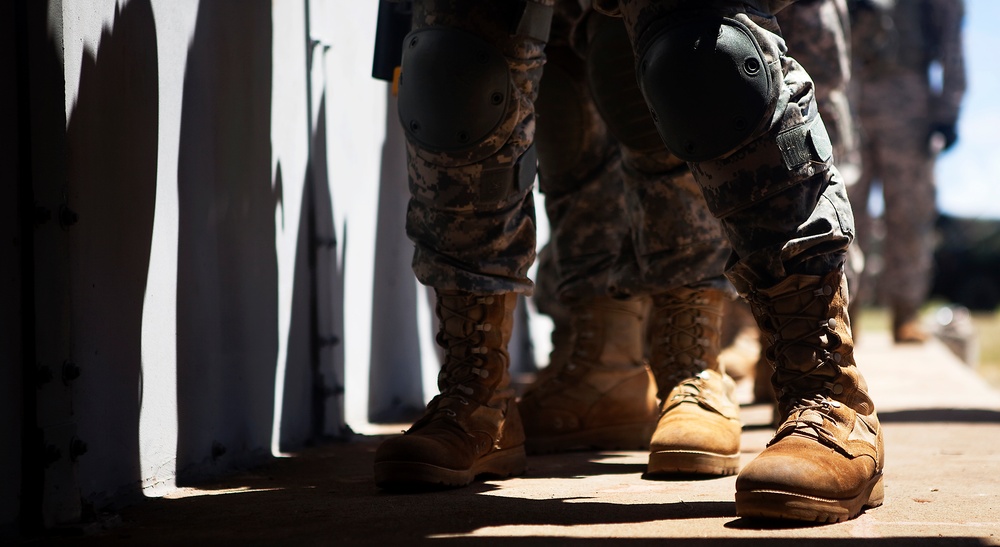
(942, 426)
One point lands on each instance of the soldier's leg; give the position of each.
(469, 78)
(676, 254)
(600, 394)
(865, 293)
(907, 174)
(728, 99)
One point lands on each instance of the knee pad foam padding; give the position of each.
(455, 89)
(707, 84)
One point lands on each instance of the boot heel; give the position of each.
(877, 495)
(508, 462)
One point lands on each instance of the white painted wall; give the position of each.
(189, 142)
(198, 276)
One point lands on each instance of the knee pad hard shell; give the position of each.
(455, 89)
(459, 107)
(707, 84)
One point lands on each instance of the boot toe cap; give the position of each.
(806, 467)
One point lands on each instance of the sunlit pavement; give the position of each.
(942, 426)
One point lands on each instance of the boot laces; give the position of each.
(803, 389)
(465, 359)
(688, 391)
(681, 339)
(819, 337)
(808, 417)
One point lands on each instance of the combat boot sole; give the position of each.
(675, 462)
(774, 504)
(401, 475)
(611, 437)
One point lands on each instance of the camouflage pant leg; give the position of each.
(673, 239)
(897, 152)
(785, 211)
(580, 175)
(816, 35)
(470, 218)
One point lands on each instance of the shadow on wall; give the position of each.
(227, 279)
(312, 403)
(112, 135)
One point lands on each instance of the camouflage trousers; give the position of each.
(626, 216)
(894, 121)
(816, 34)
(782, 211)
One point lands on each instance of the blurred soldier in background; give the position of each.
(725, 98)
(910, 80)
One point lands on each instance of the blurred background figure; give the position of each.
(910, 78)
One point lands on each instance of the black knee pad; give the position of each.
(454, 91)
(707, 85)
(563, 117)
(611, 76)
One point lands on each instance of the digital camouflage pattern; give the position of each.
(898, 108)
(625, 214)
(783, 213)
(817, 33)
(784, 209)
(463, 242)
(689, 246)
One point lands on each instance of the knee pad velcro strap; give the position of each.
(776, 163)
(455, 89)
(707, 84)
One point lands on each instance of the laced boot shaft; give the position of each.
(474, 332)
(825, 462)
(685, 331)
(472, 426)
(699, 428)
(810, 347)
(602, 395)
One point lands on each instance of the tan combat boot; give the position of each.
(699, 427)
(602, 396)
(472, 427)
(825, 462)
